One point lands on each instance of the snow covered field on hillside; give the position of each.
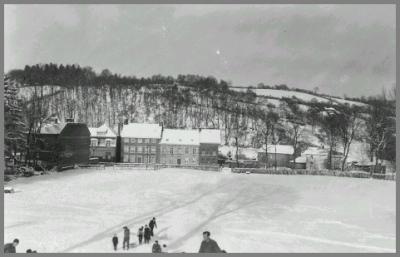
(80, 210)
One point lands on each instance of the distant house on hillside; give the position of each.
(180, 147)
(63, 144)
(278, 155)
(210, 140)
(318, 158)
(140, 142)
(103, 143)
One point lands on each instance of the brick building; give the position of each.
(140, 143)
(180, 147)
(103, 141)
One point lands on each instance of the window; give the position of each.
(132, 149)
(153, 149)
(186, 150)
(93, 142)
(132, 158)
(146, 140)
(203, 153)
(133, 140)
(126, 149)
(139, 149)
(126, 158)
(154, 140)
(139, 140)
(171, 150)
(113, 142)
(214, 153)
(179, 150)
(108, 143)
(126, 140)
(102, 142)
(139, 159)
(194, 150)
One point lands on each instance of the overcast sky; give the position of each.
(342, 49)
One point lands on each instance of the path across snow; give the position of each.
(80, 210)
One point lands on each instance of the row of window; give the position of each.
(107, 142)
(178, 150)
(139, 158)
(183, 161)
(207, 153)
(140, 149)
(128, 140)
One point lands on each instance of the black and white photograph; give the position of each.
(199, 128)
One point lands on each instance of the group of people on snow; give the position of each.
(144, 235)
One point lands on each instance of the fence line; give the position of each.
(152, 166)
(337, 173)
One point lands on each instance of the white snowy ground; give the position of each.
(80, 210)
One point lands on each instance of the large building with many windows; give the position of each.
(180, 147)
(140, 143)
(103, 142)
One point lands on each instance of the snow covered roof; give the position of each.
(281, 149)
(210, 136)
(180, 137)
(141, 130)
(52, 128)
(102, 131)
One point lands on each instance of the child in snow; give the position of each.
(11, 247)
(152, 224)
(126, 238)
(115, 241)
(140, 234)
(147, 234)
(156, 247)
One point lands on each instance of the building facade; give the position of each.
(180, 147)
(63, 144)
(140, 143)
(103, 142)
(210, 140)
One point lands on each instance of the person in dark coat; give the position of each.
(147, 234)
(208, 245)
(126, 238)
(152, 224)
(156, 247)
(11, 247)
(29, 251)
(115, 241)
(140, 235)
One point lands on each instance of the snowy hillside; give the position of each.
(277, 93)
(245, 213)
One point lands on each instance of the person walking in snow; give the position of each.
(115, 241)
(140, 235)
(126, 238)
(147, 234)
(209, 245)
(11, 247)
(156, 247)
(152, 224)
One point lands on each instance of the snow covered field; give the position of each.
(80, 210)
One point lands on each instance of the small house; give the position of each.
(277, 155)
(210, 140)
(103, 141)
(318, 159)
